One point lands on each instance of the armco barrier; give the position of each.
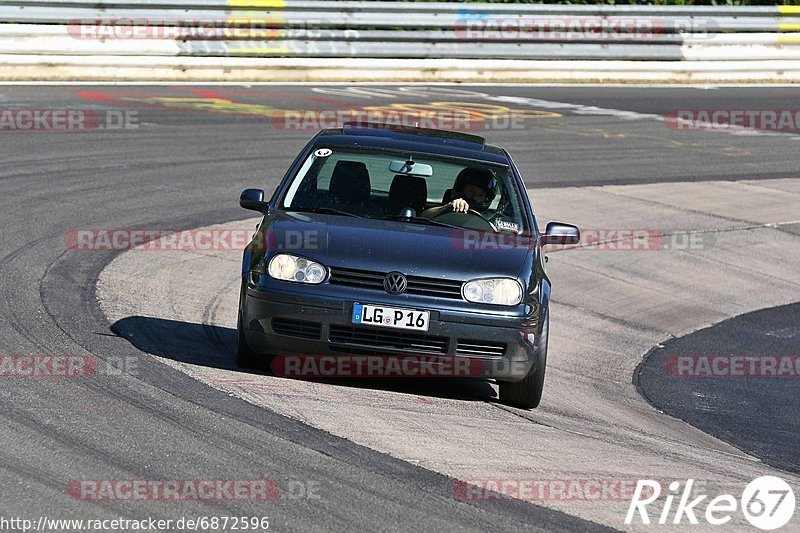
(273, 40)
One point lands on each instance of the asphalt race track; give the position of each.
(760, 416)
(387, 456)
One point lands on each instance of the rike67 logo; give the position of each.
(767, 503)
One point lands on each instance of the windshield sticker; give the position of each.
(508, 225)
(323, 152)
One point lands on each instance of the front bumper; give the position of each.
(286, 322)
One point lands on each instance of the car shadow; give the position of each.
(214, 347)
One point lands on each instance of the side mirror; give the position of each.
(253, 199)
(560, 233)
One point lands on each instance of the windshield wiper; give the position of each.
(323, 210)
(418, 220)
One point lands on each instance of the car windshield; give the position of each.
(409, 187)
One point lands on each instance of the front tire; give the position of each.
(527, 393)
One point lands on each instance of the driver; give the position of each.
(474, 188)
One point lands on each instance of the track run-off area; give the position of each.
(721, 207)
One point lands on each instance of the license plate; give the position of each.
(390, 317)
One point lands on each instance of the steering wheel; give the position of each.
(469, 212)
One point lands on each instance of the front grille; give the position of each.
(477, 348)
(389, 340)
(296, 328)
(442, 288)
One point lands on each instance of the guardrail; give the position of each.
(393, 41)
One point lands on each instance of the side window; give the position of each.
(502, 193)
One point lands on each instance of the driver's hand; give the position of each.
(460, 205)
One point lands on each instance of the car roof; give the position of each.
(418, 140)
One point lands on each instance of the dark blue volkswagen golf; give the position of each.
(401, 243)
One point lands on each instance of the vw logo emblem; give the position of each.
(395, 283)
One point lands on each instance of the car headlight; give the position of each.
(292, 268)
(497, 291)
